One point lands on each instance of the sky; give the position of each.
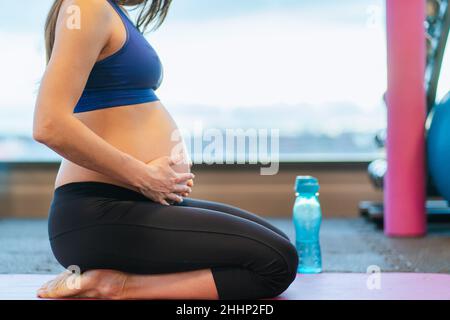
(272, 57)
(232, 54)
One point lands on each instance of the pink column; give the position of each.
(404, 194)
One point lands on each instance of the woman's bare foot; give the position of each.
(100, 284)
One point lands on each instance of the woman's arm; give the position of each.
(75, 53)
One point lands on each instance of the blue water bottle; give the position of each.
(307, 217)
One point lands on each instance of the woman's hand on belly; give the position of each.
(184, 165)
(163, 183)
(190, 184)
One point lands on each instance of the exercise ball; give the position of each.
(438, 147)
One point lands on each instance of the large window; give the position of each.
(315, 70)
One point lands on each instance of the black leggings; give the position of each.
(96, 225)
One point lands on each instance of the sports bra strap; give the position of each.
(120, 11)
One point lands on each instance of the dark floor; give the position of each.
(348, 245)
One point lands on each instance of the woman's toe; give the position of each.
(58, 287)
(42, 293)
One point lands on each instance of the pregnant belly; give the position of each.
(145, 131)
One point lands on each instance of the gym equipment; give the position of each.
(404, 182)
(437, 25)
(438, 147)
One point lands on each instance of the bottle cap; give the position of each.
(306, 184)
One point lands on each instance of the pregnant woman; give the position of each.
(120, 211)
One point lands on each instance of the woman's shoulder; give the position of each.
(86, 9)
(85, 16)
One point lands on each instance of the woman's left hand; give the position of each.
(190, 184)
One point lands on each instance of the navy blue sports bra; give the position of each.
(129, 76)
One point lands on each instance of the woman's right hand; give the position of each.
(162, 184)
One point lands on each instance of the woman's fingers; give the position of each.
(164, 202)
(167, 185)
(181, 188)
(184, 177)
(190, 183)
(174, 197)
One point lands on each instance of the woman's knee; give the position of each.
(282, 280)
(277, 267)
